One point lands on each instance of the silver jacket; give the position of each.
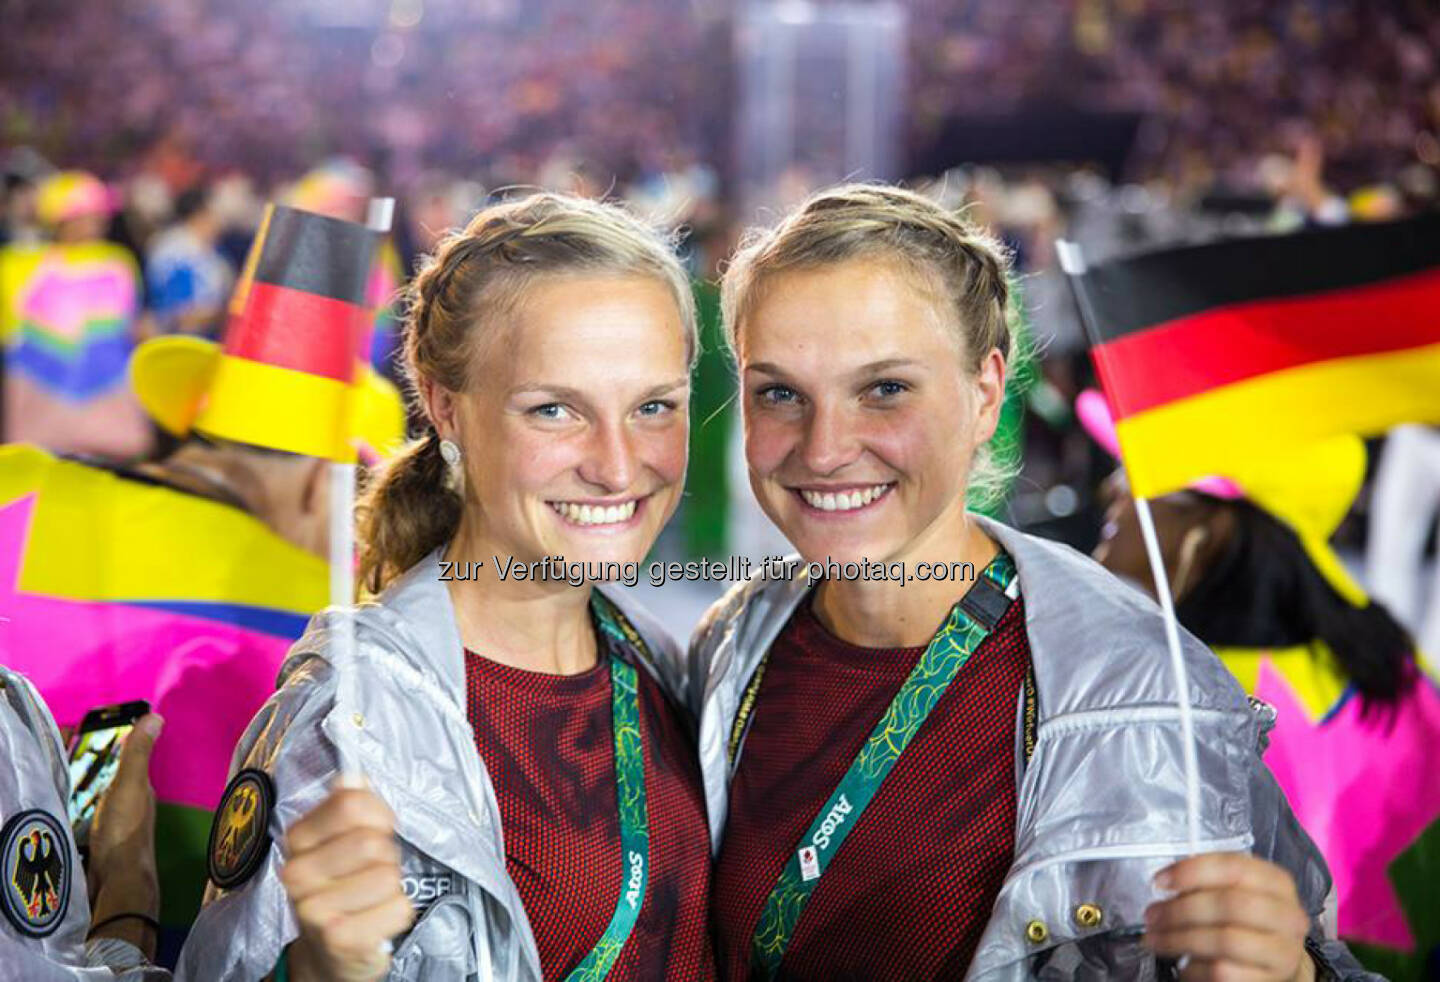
(34, 774)
(405, 722)
(1100, 806)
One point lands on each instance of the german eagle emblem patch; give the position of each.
(35, 852)
(240, 835)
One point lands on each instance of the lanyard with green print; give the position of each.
(629, 790)
(969, 624)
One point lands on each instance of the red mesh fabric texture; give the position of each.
(909, 893)
(547, 741)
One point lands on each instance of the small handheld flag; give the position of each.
(1218, 355)
(342, 536)
(285, 376)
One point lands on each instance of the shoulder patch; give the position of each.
(35, 853)
(240, 834)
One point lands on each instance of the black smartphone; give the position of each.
(94, 756)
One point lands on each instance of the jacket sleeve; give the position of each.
(1280, 839)
(241, 931)
(106, 960)
(33, 778)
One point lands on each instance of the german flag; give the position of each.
(285, 373)
(303, 305)
(1216, 355)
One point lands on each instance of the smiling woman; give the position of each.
(523, 735)
(931, 779)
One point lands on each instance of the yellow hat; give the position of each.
(70, 194)
(288, 374)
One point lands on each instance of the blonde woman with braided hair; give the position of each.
(534, 808)
(936, 747)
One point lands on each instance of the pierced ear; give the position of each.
(1222, 524)
(440, 406)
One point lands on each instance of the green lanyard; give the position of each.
(969, 624)
(629, 791)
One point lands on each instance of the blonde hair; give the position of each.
(850, 221)
(477, 275)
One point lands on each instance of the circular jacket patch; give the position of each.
(35, 852)
(240, 835)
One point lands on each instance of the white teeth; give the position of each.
(594, 514)
(844, 501)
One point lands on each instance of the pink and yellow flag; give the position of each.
(97, 610)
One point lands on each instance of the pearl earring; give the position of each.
(450, 453)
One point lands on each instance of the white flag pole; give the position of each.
(1072, 261)
(342, 571)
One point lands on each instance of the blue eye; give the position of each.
(888, 388)
(656, 407)
(777, 395)
(551, 410)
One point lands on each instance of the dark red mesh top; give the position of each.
(547, 741)
(908, 894)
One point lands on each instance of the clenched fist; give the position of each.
(343, 876)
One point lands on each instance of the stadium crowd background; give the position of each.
(1122, 125)
(1193, 121)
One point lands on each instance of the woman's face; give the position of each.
(861, 420)
(574, 428)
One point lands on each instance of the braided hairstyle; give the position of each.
(456, 306)
(968, 265)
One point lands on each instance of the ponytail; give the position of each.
(406, 512)
(1264, 591)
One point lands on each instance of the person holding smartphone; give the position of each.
(534, 808)
(61, 921)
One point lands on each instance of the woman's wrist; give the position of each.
(127, 909)
(126, 890)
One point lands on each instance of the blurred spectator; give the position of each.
(18, 224)
(69, 314)
(189, 280)
(21, 170)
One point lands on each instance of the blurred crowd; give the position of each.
(1220, 85)
(264, 88)
(499, 87)
(1254, 117)
(141, 141)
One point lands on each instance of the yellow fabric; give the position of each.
(1311, 671)
(96, 536)
(18, 264)
(1311, 488)
(379, 413)
(186, 382)
(170, 377)
(1311, 414)
(268, 406)
(1239, 426)
(70, 194)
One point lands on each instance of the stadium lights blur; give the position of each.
(794, 11)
